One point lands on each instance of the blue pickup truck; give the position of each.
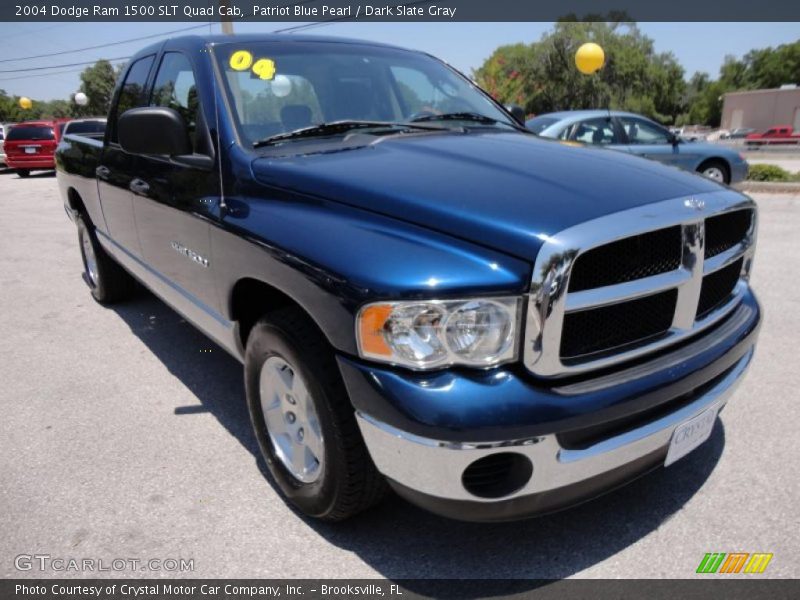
(425, 296)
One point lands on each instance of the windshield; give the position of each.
(277, 87)
(539, 124)
(30, 132)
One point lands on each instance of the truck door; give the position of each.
(117, 168)
(174, 203)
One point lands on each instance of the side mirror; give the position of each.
(674, 139)
(153, 130)
(517, 112)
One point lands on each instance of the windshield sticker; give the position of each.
(264, 68)
(241, 60)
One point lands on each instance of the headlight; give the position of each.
(426, 334)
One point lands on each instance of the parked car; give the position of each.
(717, 134)
(641, 136)
(780, 134)
(692, 135)
(30, 146)
(90, 125)
(422, 293)
(739, 133)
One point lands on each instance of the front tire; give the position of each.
(304, 421)
(107, 281)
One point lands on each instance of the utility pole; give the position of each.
(226, 22)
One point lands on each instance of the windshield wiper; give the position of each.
(470, 116)
(457, 116)
(335, 127)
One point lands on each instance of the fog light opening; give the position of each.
(497, 475)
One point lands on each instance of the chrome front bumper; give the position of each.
(434, 468)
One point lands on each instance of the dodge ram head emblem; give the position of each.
(694, 203)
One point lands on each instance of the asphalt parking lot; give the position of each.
(124, 434)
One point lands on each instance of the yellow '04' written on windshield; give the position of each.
(242, 60)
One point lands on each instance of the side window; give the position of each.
(599, 132)
(643, 132)
(132, 93)
(175, 88)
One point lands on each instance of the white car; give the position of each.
(2, 142)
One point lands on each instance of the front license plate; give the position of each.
(690, 434)
(30, 150)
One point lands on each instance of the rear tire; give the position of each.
(23, 173)
(716, 170)
(107, 281)
(312, 445)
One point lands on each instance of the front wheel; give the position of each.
(303, 419)
(716, 170)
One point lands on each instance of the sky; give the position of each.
(697, 46)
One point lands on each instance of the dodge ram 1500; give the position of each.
(423, 293)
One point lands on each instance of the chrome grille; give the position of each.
(725, 231)
(631, 258)
(717, 287)
(622, 306)
(615, 326)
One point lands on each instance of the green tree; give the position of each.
(97, 82)
(771, 67)
(758, 69)
(542, 77)
(6, 106)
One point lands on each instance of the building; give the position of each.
(761, 109)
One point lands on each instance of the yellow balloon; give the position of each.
(589, 58)
(25, 103)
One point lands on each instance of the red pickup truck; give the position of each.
(31, 146)
(780, 134)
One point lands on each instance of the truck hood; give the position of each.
(507, 191)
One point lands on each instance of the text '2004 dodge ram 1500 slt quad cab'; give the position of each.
(421, 291)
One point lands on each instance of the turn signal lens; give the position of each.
(431, 334)
(370, 328)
